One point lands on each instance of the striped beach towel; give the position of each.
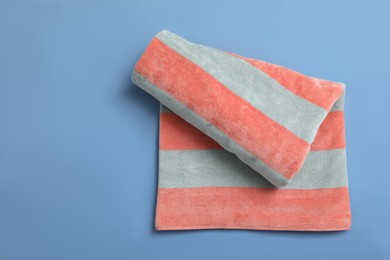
(244, 144)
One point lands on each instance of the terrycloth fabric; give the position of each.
(248, 145)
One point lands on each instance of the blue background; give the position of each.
(78, 141)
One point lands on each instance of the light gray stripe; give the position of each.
(339, 105)
(219, 168)
(281, 105)
(226, 142)
(164, 109)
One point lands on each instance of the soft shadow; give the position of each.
(143, 100)
(296, 234)
(140, 98)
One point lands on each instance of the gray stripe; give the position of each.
(219, 168)
(339, 105)
(281, 105)
(164, 109)
(226, 142)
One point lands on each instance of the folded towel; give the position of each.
(244, 143)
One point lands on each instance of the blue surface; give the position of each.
(78, 141)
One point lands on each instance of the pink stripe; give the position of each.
(177, 134)
(253, 208)
(331, 134)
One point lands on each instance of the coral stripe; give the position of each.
(317, 91)
(272, 143)
(178, 134)
(331, 134)
(254, 208)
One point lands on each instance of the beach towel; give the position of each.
(244, 143)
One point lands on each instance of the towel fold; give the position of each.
(244, 143)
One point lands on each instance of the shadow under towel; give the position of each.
(244, 144)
